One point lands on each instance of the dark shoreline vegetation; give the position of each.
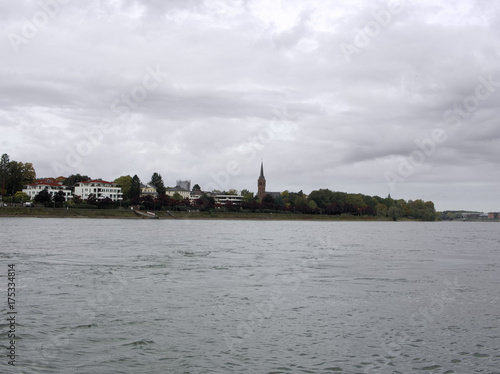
(43, 212)
(319, 203)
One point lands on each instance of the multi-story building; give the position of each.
(171, 191)
(222, 199)
(184, 184)
(100, 189)
(51, 185)
(147, 189)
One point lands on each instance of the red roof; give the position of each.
(41, 182)
(97, 181)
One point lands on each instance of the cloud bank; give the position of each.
(375, 97)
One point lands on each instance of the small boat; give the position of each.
(146, 214)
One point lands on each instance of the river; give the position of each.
(207, 296)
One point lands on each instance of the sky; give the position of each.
(375, 97)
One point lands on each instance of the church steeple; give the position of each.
(261, 183)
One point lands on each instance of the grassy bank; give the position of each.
(128, 214)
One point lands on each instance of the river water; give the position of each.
(178, 296)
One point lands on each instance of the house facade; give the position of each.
(222, 199)
(51, 185)
(100, 189)
(171, 191)
(148, 190)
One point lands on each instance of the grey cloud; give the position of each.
(230, 68)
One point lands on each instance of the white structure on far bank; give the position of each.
(147, 189)
(222, 199)
(100, 189)
(50, 185)
(171, 191)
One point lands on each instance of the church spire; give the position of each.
(261, 183)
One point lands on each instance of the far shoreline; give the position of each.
(24, 212)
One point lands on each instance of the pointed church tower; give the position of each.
(261, 183)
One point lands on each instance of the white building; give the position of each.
(100, 189)
(171, 191)
(51, 186)
(222, 199)
(147, 189)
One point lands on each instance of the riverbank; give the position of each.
(129, 214)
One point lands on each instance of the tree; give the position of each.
(196, 187)
(77, 199)
(18, 175)
(92, 200)
(381, 210)
(148, 202)
(21, 197)
(394, 213)
(4, 168)
(135, 188)
(205, 202)
(267, 201)
(124, 182)
(247, 196)
(312, 205)
(285, 197)
(43, 197)
(29, 174)
(104, 203)
(14, 175)
(177, 196)
(73, 179)
(157, 182)
(59, 198)
(301, 203)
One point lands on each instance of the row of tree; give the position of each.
(325, 201)
(14, 175)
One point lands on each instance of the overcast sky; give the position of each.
(375, 97)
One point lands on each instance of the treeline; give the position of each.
(13, 175)
(325, 201)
